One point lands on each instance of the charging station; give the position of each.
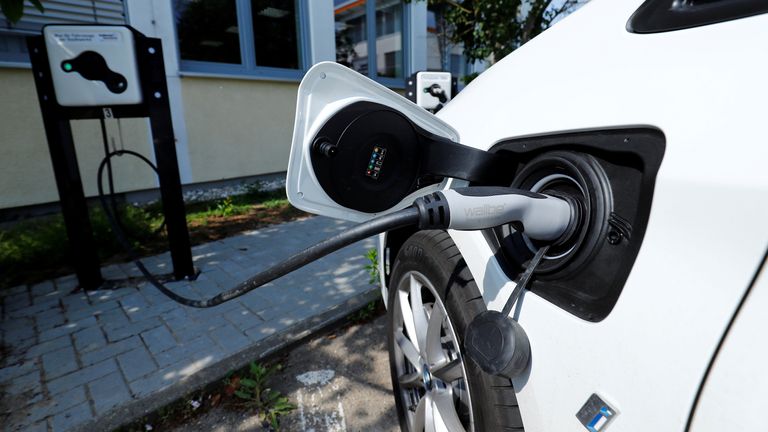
(97, 72)
(431, 90)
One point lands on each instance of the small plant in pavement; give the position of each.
(373, 265)
(252, 388)
(367, 313)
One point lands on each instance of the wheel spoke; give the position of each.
(411, 380)
(425, 345)
(434, 348)
(430, 423)
(445, 412)
(409, 351)
(408, 321)
(420, 415)
(418, 312)
(449, 371)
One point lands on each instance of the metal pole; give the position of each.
(152, 72)
(67, 173)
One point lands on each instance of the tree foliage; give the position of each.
(14, 9)
(494, 28)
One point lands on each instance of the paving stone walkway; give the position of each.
(74, 360)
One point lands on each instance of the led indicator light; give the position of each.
(376, 162)
(67, 67)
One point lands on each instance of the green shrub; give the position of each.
(30, 247)
(275, 202)
(225, 207)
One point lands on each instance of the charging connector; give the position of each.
(541, 217)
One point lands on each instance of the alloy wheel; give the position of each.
(428, 362)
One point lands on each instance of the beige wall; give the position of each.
(236, 127)
(26, 173)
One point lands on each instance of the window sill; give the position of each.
(394, 84)
(4, 64)
(239, 76)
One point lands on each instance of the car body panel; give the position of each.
(735, 393)
(705, 88)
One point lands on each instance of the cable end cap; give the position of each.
(497, 344)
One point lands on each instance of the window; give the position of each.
(275, 31)
(13, 46)
(247, 37)
(208, 31)
(370, 38)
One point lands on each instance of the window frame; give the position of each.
(14, 59)
(248, 67)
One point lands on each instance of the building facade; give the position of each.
(233, 69)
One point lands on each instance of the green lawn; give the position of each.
(38, 249)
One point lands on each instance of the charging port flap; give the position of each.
(357, 146)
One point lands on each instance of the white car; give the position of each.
(650, 315)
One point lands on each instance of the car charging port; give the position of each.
(495, 341)
(610, 174)
(579, 179)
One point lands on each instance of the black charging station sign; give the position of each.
(84, 72)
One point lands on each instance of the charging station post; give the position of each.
(85, 72)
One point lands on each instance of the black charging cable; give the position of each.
(110, 176)
(406, 217)
(546, 218)
(108, 155)
(522, 283)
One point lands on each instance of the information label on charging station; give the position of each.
(93, 65)
(430, 83)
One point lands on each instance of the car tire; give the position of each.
(430, 277)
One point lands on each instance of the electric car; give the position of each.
(648, 313)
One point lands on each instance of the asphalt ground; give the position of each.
(339, 381)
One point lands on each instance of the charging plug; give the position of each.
(539, 216)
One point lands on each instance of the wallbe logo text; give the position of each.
(483, 211)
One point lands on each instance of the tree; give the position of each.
(14, 9)
(491, 29)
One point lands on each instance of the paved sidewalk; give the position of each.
(85, 361)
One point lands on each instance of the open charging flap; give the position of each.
(361, 150)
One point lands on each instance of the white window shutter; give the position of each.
(66, 12)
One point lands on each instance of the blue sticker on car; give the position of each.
(596, 414)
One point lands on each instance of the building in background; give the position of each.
(233, 70)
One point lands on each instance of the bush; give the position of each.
(31, 246)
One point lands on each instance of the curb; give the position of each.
(137, 408)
